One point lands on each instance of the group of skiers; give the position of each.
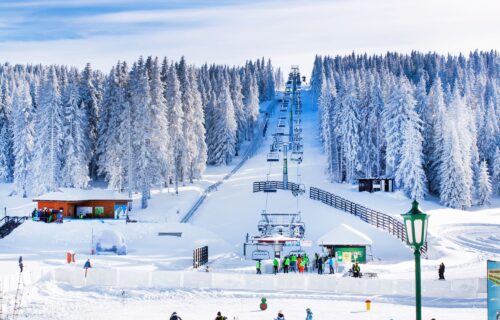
(47, 215)
(281, 316)
(300, 263)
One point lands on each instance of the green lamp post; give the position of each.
(415, 222)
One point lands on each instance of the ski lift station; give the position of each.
(346, 244)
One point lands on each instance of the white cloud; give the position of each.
(288, 33)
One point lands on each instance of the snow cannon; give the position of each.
(368, 304)
(263, 304)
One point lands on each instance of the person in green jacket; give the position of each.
(257, 266)
(287, 265)
(275, 265)
(293, 262)
(306, 260)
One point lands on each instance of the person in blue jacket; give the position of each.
(309, 314)
(87, 266)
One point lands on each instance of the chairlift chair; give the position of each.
(268, 187)
(273, 157)
(296, 156)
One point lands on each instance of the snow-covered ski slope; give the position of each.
(463, 240)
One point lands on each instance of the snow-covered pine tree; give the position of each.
(395, 115)
(89, 95)
(175, 117)
(23, 136)
(376, 108)
(496, 172)
(239, 113)
(410, 175)
(6, 155)
(225, 126)
(159, 139)
(434, 134)
(75, 170)
(251, 100)
(119, 149)
(485, 188)
(349, 127)
(49, 133)
(198, 164)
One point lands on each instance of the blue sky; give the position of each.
(230, 31)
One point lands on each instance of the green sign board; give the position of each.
(351, 254)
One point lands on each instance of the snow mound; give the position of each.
(110, 241)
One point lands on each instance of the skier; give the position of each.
(309, 315)
(280, 316)
(320, 265)
(287, 265)
(87, 266)
(220, 316)
(330, 262)
(293, 262)
(174, 316)
(258, 266)
(306, 262)
(356, 270)
(21, 266)
(441, 271)
(275, 265)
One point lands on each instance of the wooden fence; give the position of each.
(380, 220)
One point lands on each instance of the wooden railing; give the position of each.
(8, 223)
(380, 220)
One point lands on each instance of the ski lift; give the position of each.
(281, 124)
(273, 157)
(299, 190)
(268, 187)
(296, 157)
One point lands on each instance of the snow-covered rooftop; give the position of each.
(345, 235)
(74, 194)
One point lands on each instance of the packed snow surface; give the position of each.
(463, 240)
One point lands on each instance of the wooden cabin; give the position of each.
(85, 204)
(376, 184)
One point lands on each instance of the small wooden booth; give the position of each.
(346, 244)
(376, 184)
(85, 204)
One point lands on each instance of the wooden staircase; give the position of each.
(8, 224)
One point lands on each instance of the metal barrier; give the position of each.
(380, 220)
(264, 185)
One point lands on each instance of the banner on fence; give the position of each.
(493, 270)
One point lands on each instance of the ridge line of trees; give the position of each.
(157, 122)
(429, 121)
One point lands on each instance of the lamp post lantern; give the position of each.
(415, 222)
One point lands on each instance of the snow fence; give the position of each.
(127, 278)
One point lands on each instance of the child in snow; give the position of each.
(280, 316)
(87, 266)
(258, 266)
(174, 316)
(21, 266)
(441, 271)
(220, 316)
(309, 315)
(275, 265)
